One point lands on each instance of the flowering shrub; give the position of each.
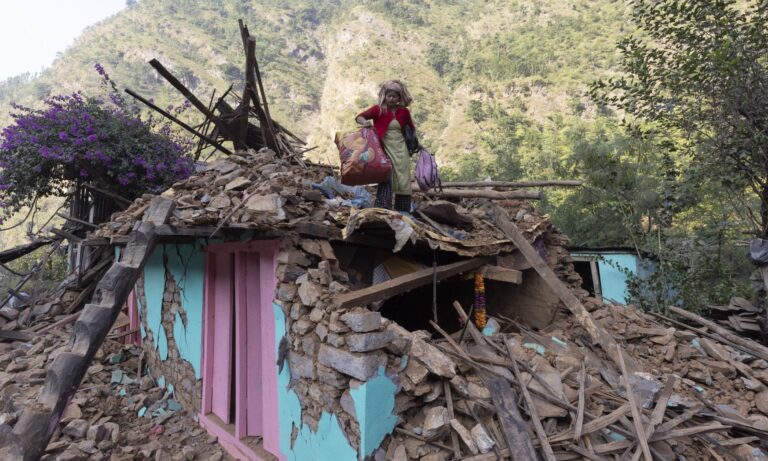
(80, 139)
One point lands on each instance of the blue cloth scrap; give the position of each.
(331, 187)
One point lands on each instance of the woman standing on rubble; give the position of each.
(392, 122)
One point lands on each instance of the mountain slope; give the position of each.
(323, 63)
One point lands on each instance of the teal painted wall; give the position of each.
(613, 279)
(186, 264)
(329, 442)
(374, 402)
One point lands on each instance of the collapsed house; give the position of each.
(297, 323)
(295, 326)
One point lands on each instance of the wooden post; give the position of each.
(597, 333)
(512, 424)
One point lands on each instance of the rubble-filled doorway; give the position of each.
(239, 381)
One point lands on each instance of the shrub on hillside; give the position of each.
(74, 138)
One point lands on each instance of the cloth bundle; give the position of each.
(363, 159)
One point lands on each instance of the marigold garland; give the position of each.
(480, 315)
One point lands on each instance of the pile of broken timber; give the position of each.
(34, 428)
(515, 395)
(656, 393)
(739, 315)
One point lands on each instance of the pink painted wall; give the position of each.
(252, 291)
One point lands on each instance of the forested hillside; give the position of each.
(500, 90)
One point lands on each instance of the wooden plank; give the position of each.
(502, 274)
(597, 333)
(580, 414)
(759, 350)
(75, 220)
(512, 424)
(167, 115)
(109, 194)
(488, 194)
(406, 283)
(16, 252)
(222, 337)
(7, 335)
(160, 209)
(449, 403)
(67, 235)
(594, 425)
(549, 455)
(585, 453)
(549, 183)
(223, 128)
(638, 423)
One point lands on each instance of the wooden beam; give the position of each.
(7, 335)
(21, 250)
(502, 274)
(78, 221)
(64, 234)
(638, 423)
(116, 198)
(515, 184)
(489, 194)
(750, 345)
(175, 120)
(596, 332)
(406, 283)
(513, 426)
(546, 448)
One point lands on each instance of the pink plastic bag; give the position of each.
(363, 159)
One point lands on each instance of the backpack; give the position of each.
(426, 172)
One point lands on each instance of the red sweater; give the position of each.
(382, 118)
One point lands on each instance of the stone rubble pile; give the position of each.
(117, 414)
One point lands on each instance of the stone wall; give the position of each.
(162, 356)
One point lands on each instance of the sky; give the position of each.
(33, 31)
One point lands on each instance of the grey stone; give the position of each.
(435, 419)
(435, 361)
(331, 377)
(362, 321)
(286, 292)
(293, 256)
(316, 315)
(336, 340)
(416, 372)
(310, 293)
(483, 441)
(77, 429)
(301, 326)
(348, 404)
(465, 436)
(309, 344)
(97, 433)
(297, 310)
(336, 287)
(364, 342)
(358, 366)
(270, 204)
(114, 431)
(321, 331)
(289, 272)
(301, 366)
(72, 454)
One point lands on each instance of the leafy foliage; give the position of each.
(698, 71)
(77, 138)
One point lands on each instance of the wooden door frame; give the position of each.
(267, 405)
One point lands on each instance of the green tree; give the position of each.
(698, 72)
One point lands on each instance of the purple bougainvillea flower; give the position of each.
(63, 135)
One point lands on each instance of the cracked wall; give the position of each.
(170, 303)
